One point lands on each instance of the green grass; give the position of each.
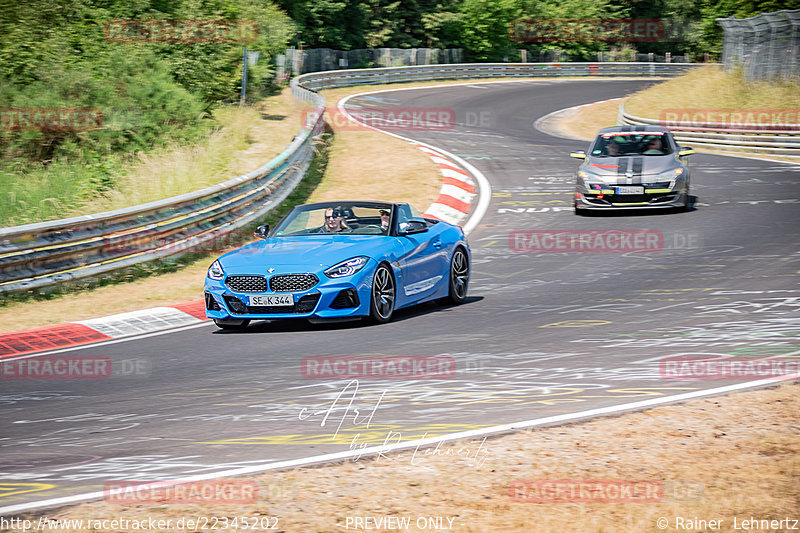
(298, 196)
(35, 192)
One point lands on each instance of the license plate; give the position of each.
(630, 190)
(272, 300)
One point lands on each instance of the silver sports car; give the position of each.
(632, 167)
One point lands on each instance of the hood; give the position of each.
(310, 253)
(611, 169)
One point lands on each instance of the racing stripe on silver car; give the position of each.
(636, 167)
(622, 167)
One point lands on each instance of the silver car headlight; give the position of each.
(215, 271)
(348, 267)
(672, 175)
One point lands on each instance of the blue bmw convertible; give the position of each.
(339, 261)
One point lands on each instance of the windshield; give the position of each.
(368, 218)
(616, 144)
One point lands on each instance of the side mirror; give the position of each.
(683, 151)
(578, 154)
(412, 226)
(261, 232)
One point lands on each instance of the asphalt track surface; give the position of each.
(541, 334)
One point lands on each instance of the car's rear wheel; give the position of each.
(459, 277)
(232, 324)
(383, 295)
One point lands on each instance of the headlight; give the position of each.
(347, 268)
(671, 174)
(215, 271)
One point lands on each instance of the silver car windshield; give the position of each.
(624, 144)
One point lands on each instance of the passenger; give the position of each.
(385, 217)
(654, 147)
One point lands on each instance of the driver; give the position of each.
(612, 148)
(334, 222)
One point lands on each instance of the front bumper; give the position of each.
(347, 297)
(657, 196)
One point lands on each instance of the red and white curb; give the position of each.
(457, 192)
(83, 332)
(465, 193)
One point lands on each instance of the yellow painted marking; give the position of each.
(12, 489)
(509, 194)
(487, 245)
(375, 434)
(647, 391)
(576, 324)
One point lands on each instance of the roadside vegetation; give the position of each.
(706, 88)
(149, 96)
(712, 88)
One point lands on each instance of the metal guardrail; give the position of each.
(48, 253)
(782, 139)
(346, 78)
(38, 255)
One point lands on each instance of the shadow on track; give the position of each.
(295, 325)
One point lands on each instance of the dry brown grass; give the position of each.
(711, 88)
(738, 455)
(586, 121)
(244, 141)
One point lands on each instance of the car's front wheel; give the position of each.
(232, 324)
(383, 295)
(459, 277)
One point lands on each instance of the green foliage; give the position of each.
(485, 29)
(55, 55)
